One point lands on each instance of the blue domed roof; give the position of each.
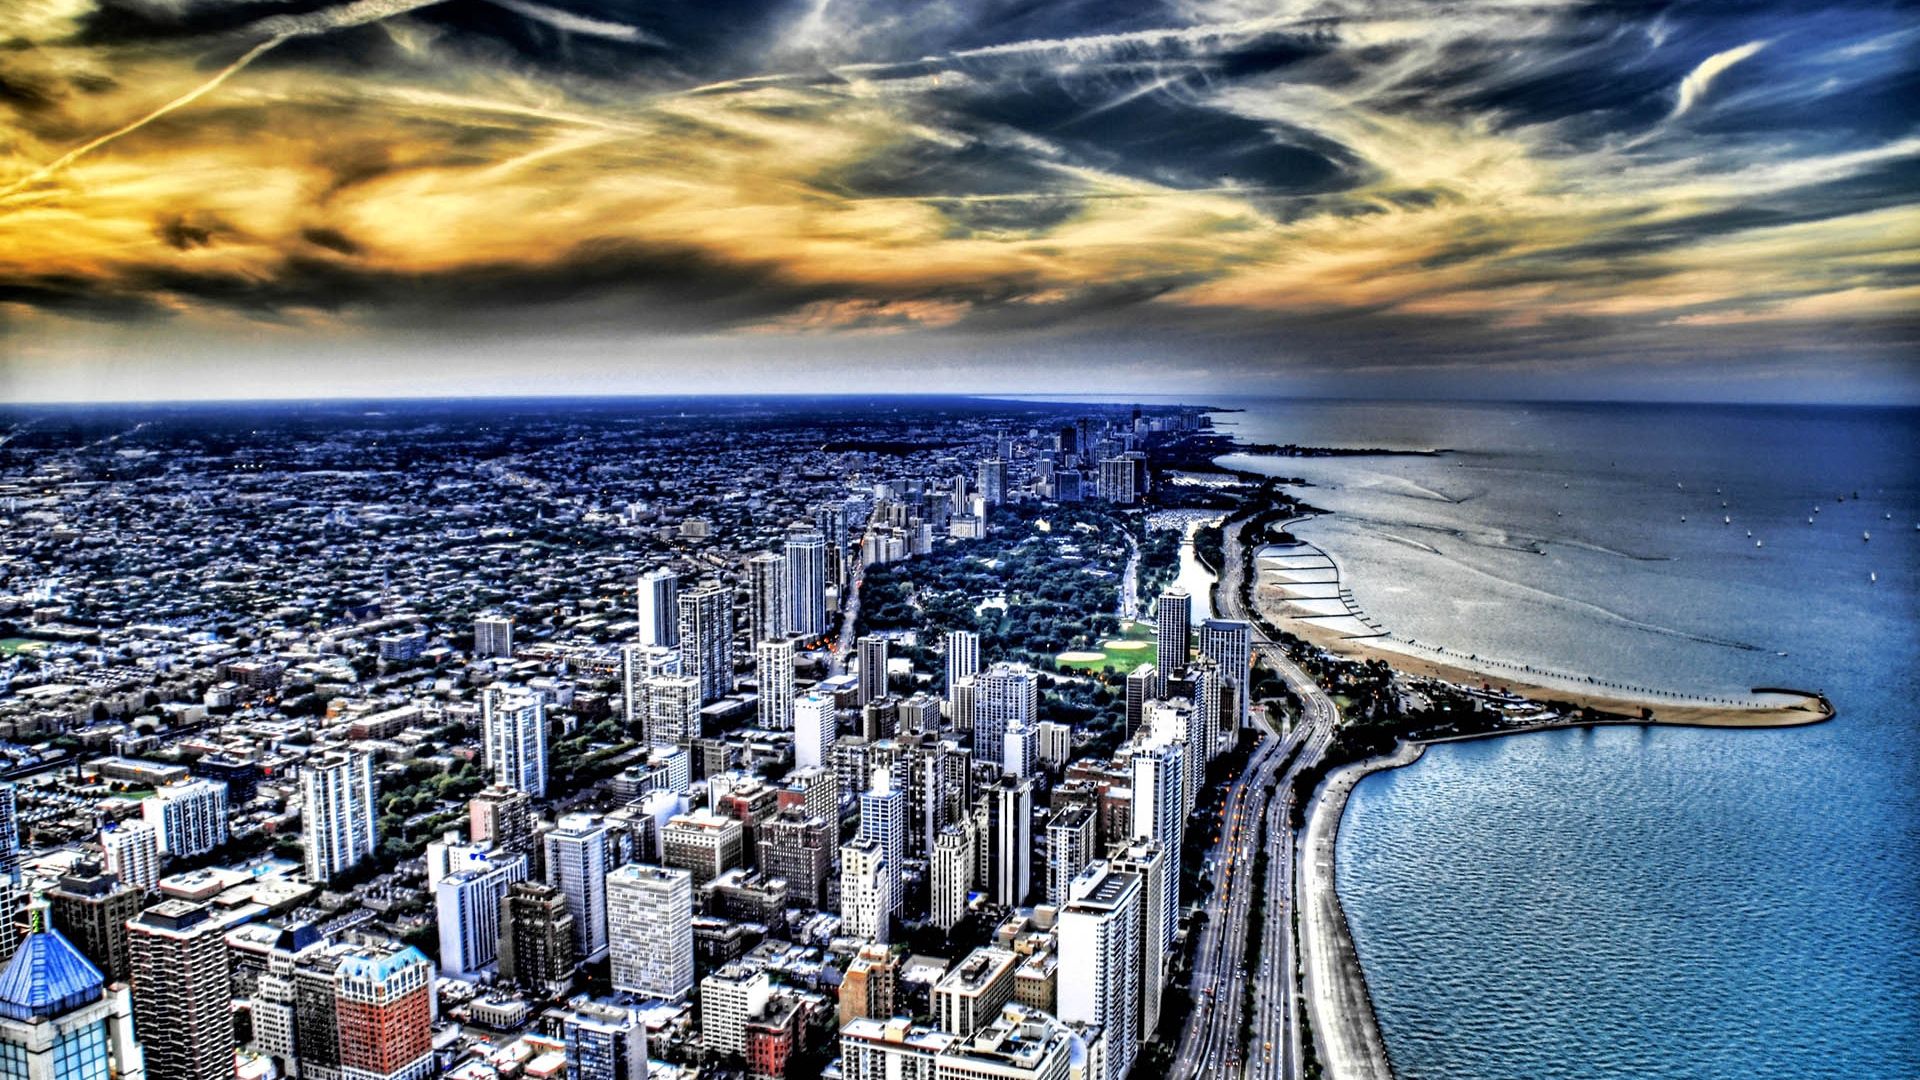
(47, 977)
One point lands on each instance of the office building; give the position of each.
(704, 844)
(188, 818)
(538, 947)
(658, 594)
(338, 813)
(952, 873)
(969, 996)
(181, 999)
(1020, 1044)
(467, 909)
(1173, 621)
(132, 853)
(706, 639)
(806, 555)
(493, 637)
(866, 891)
(1072, 842)
(797, 847)
(728, 997)
(513, 735)
(1010, 838)
(605, 1040)
(766, 597)
(963, 661)
(773, 664)
(992, 481)
(1229, 643)
(1143, 685)
(651, 912)
(91, 909)
(384, 1008)
(1099, 931)
(578, 855)
(873, 668)
(816, 727)
(1002, 695)
(503, 818)
(60, 1021)
(883, 820)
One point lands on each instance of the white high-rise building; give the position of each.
(132, 853)
(650, 910)
(963, 660)
(952, 874)
(1177, 722)
(1229, 643)
(767, 597)
(672, 716)
(883, 819)
(1173, 623)
(513, 734)
(873, 668)
(579, 851)
(339, 818)
(638, 663)
(467, 909)
(1002, 695)
(1020, 750)
(188, 817)
(773, 661)
(1099, 932)
(816, 727)
(1010, 834)
(728, 999)
(1159, 794)
(1159, 919)
(706, 638)
(866, 891)
(806, 554)
(493, 636)
(659, 607)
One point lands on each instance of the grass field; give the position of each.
(12, 645)
(1122, 659)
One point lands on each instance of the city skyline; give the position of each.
(398, 198)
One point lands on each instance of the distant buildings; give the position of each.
(493, 636)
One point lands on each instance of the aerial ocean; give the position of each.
(1648, 903)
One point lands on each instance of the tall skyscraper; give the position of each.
(672, 715)
(873, 668)
(467, 909)
(963, 659)
(59, 1020)
(1010, 835)
(767, 597)
(883, 819)
(338, 813)
(993, 480)
(181, 999)
(952, 874)
(1143, 685)
(651, 911)
(866, 891)
(91, 909)
(816, 727)
(831, 519)
(706, 638)
(1159, 793)
(189, 817)
(1072, 840)
(773, 661)
(1020, 749)
(537, 946)
(504, 818)
(132, 852)
(638, 663)
(605, 1040)
(493, 636)
(513, 735)
(1002, 695)
(659, 607)
(1159, 920)
(579, 853)
(806, 554)
(1099, 931)
(1174, 624)
(10, 855)
(384, 1007)
(797, 847)
(1229, 643)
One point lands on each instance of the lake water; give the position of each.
(1639, 903)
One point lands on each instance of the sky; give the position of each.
(1405, 198)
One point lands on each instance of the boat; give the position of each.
(1749, 534)
(1759, 543)
(1726, 521)
(1866, 536)
(1873, 576)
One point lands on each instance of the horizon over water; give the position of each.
(1655, 903)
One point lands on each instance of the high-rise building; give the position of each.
(960, 703)
(181, 1000)
(1020, 749)
(866, 891)
(493, 636)
(1099, 932)
(706, 638)
(60, 1021)
(883, 819)
(672, 716)
(773, 661)
(892, 1049)
(992, 480)
(1159, 791)
(806, 555)
(537, 946)
(467, 909)
(638, 663)
(871, 987)
(952, 873)
(384, 1009)
(1159, 919)
(91, 909)
(578, 855)
(766, 597)
(831, 521)
(188, 817)
(873, 668)
(659, 607)
(338, 814)
(1002, 695)
(969, 996)
(1021, 1044)
(605, 1040)
(704, 844)
(1010, 836)
(132, 853)
(513, 735)
(651, 912)
(816, 727)
(797, 847)
(1143, 685)
(728, 997)
(503, 817)
(1173, 621)
(1229, 643)
(1072, 840)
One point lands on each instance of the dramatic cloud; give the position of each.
(1294, 193)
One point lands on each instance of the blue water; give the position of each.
(1662, 903)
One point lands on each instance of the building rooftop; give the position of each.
(47, 977)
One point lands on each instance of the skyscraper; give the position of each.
(651, 911)
(537, 947)
(91, 909)
(727, 998)
(1002, 694)
(1159, 920)
(1072, 839)
(9, 833)
(659, 607)
(1010, 835)
(189, 817)
(1143, 685)
(773, 661)
(806, 554)
(831, 519)
(993, 480)
(504, 818)
(638, 663)
(672, 715)
(493, 636)
(1174, 623)
(467, 909)
(132, 852)
(513, 735)
(384, 1007)
(866, 891)
(873, 668)
(883, 819)
(1159, 794)
(952, 874)
(1229, 643)
(1099, 931)
(766, 597)
(59, 1021)
(337, 803)
(706, 638)
(963, 658)
(578, 855)
(605, 1040)
(797, 847)
(816, 727)
(181, 1001)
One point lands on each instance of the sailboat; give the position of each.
(1758, 543)
(1866, 536)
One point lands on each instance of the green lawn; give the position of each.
(1121, 660)
(12, 645)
